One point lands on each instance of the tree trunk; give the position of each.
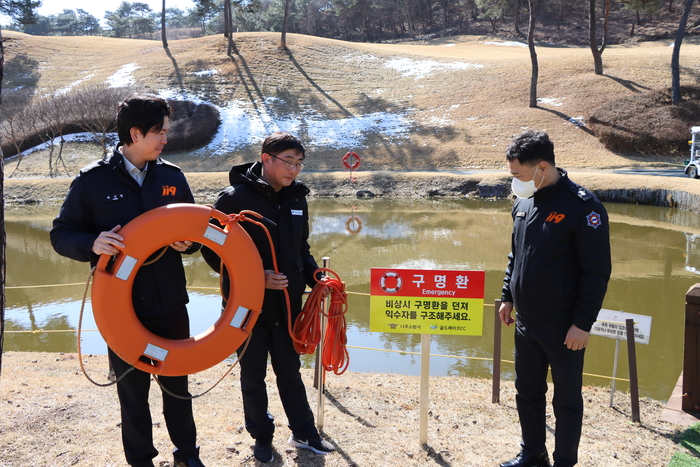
(592, 41)
(3, 235)
(227, 27)
(675, 60)
(283, 42)
(533, 55)
(605, 26)
(162, 27)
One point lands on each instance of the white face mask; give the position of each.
(525, 189)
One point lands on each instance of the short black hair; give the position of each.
(146, 112)
(280, 141)
(530, 147)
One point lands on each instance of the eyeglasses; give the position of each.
(291, 165)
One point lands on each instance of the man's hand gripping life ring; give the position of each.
(114, 310)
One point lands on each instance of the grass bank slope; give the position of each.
(448, 103)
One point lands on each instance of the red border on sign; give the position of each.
(427, 283)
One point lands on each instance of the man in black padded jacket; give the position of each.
(269, 187)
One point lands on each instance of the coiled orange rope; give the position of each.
(306, 331)
(307, 328)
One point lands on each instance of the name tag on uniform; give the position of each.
(520, 214)
(297, 212)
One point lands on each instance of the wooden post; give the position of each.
(691, 352)
(634, 381)
(424, 388)
(496, 387)
(320, 373)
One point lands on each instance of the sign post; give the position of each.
(425, 302)
(613, 324)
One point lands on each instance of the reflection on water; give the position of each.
(654, 256)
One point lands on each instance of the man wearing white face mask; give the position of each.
(557, 276)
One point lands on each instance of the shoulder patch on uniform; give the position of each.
(582, 192)
(594, 220)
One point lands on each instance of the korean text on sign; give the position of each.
(427, 301)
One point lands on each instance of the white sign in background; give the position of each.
(612, 323)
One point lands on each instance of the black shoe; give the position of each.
(314, 443)
(193, 461)
(263, 449)
(523, 460)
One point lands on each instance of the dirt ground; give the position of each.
(52, 415)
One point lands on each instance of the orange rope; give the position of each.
(307, 327)
(306, 331)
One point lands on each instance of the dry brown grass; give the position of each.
(480, 109)
(53, 416)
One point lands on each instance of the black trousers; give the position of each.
(137, 425)
(273, 339)
(538, 346)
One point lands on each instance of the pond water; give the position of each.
(655, 262)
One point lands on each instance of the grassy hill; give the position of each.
(440, 104)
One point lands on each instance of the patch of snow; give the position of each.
(206, 72)
(439, 122)
(579, 121)
(553, 101)
(123, 77)
(360, 57)
(69, 88)
(423, 68)
(507, 43)
(244, 125)
(112, 139)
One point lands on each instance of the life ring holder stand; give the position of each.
(112, 291)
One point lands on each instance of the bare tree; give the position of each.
(14, 126)
(283, 42)
(3, 234)
(95, 109)
(675, 60)
(227, 19)
(593, 41)
(163, 36)
(51, 115)
(533, 54)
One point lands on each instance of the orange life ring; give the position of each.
(351, 165)
(353, 225)
(114, 310)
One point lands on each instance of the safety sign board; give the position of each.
(419, 301)
(613, 324)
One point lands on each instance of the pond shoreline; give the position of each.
(665, 191)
